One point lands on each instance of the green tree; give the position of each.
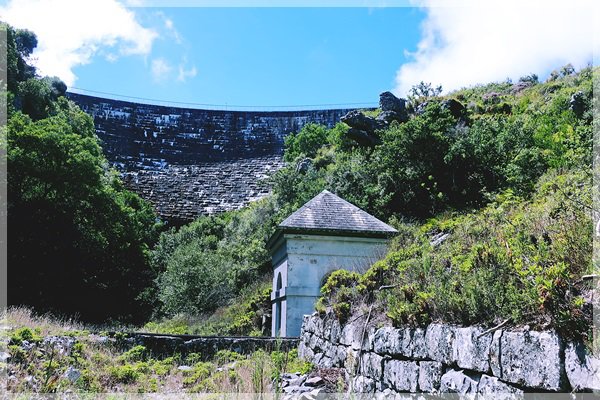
(78, 238)
(306, 142)
(79, 241)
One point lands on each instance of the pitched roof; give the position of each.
(328, 213)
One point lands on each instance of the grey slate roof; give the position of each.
(327, 212)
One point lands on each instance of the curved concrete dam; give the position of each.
(189, 162)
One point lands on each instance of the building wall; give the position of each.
(309, 259)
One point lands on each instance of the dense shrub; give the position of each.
(338, 291)
(434, 163)
(205, 264)
(514, 259)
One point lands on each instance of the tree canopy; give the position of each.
(79, 242)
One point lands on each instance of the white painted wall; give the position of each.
(307, 260)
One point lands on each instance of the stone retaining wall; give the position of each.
(442, 358)
(209, 346)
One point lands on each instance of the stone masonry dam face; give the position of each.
(189, 162)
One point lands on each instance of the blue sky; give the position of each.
(261, 56)
(272, 58)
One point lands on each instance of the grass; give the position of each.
(49, 355)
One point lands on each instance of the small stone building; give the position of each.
(324, 235)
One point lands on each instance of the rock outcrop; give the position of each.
(363, 128)
(577, 103)
(392, 108)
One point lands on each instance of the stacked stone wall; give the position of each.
(443, 358)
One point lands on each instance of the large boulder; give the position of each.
(470, 350)
(389, 102)
(530, 358)
(430, 375)
(455, 107)
(358, 120)
(582, 367)
(459, 382)
(363, 138)
(392, 108)
(402, 376)
(577, 103)
(303, 165)
(389, 116)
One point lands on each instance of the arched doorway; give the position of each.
(278, 305)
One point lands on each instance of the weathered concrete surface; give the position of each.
(144, 136)
(181, 193)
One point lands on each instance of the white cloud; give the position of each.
(168, 27)
(184, 74)
(160, 70)
(71, 32)
(480, 42)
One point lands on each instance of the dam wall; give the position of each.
(189, 162)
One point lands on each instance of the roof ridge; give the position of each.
(329, 212)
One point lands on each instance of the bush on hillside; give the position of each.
(515, 259)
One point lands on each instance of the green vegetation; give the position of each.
(493, 208)
(514, 259)
(77, 236)
(55, 360)
(508, 196)
(338, 291)
(434, 163)
(209, 262)
(247, 315)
